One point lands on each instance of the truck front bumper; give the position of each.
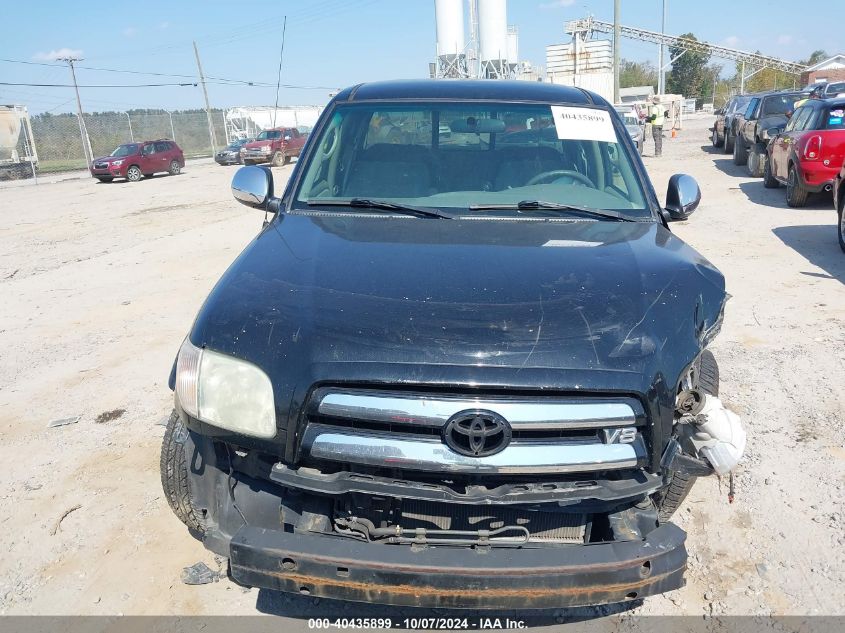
(498, 578)
(260, 157)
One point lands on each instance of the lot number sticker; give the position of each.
(583, 124)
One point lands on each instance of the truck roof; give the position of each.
(469, 90)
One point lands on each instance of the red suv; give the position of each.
(806, 155)
(133, 160)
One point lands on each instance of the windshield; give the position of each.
(780, 104)
(628, 116)
(835, 89)
(739, 104)
(267, 135)
(456, 156)
(126, 150)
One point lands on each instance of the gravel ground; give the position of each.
(100, 282)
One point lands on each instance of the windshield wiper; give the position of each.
(381, 205)
(543, 205)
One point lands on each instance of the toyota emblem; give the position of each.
(477, 433)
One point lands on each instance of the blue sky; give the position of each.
(329, 43)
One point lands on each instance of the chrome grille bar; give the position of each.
(413, 452)
(434, 411)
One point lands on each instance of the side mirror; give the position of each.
(773, 131)
(682, 196)
(253, 186)
(287, 138)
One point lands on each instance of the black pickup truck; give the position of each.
(764, 111)
(463, 365)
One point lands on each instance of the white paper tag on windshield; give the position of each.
(583, 124)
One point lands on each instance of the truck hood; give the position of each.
(522, 304)
(258, 144)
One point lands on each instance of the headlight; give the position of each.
(117, 163)
(266, 149)
(224, 391)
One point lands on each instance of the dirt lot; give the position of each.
(100, 282)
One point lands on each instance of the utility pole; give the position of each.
(211, 134)
(661, 76)
(617, 35)
(83, 132)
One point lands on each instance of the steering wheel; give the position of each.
(554, 174)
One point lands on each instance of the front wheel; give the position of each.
(728, 145)
(278, 159)
(769, 181)
(715, 138)
(756, 162)
(133, 174)
(670, 498)
(796, 195)
(740, 152)
(175, 168)
(841, 225)
(174, 476)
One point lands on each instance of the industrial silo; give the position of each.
(451, 57)
(493, 36)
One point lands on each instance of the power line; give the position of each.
(11, 83)
(221, 81)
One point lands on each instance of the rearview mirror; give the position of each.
(253, 186)
(682, 196)
(471, 125)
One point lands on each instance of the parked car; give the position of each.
(807, 154)
(276, 146)
(231, 154)
(763, 113)
(723, 131)
(839, 204)
(833, 89)
(133, 160)
(634, 124)
(450, 375)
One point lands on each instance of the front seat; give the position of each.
(391, 171)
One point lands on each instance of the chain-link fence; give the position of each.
(59, 142)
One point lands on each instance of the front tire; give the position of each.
(841, 224)
(769, 181)
(671, 497)
(728, 145)
(796, 195)
(756, 160)
(174, 476)
(717, 142)
(740, 152)
(278, 160)
(133, 174)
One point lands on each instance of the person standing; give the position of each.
(656, 116)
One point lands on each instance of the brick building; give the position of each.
(832, 69)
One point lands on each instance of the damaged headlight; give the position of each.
(225, 391)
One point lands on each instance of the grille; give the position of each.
(407, 430)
